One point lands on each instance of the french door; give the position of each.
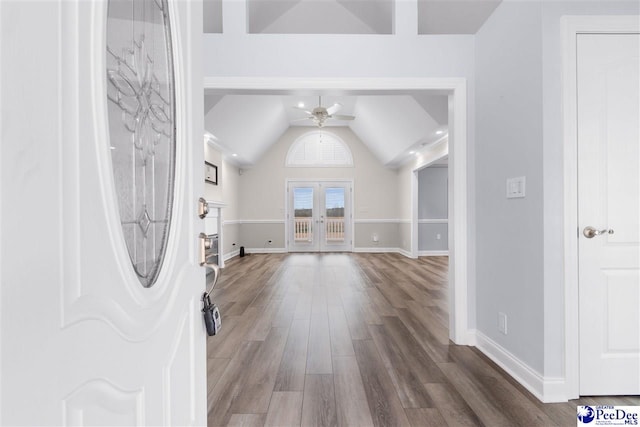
(319, 216)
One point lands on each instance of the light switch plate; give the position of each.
(502, 323)
(516, 187)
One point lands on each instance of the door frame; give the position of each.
(287, 225)
(571, 27)
(458, 217)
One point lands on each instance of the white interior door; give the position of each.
(100, 165)
(609, 202)
(320, 216)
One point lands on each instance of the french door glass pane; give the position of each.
(334, 214)
(303, 214)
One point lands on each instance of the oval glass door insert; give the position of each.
(142, 137)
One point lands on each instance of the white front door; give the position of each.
(609, 213)
(319, 216)
(100, 283)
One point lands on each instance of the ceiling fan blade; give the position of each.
(302, 119)
(302, 109)
(342, 117)
(334, 108)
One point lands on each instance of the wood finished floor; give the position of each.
(355, 340)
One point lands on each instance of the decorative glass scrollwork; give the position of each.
(141, 109)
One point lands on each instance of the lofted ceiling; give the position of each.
(453, 16)
(352, 16)
(320, 16)
(245, 126)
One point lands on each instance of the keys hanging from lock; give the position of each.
(212, 319)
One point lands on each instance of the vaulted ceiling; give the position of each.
(245, 125)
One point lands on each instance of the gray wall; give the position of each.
(388, 235)
(433, 205)
(432, 192)
(257, 235)
(509, 137)
(519, 132)
(405, 237)
(433, 237)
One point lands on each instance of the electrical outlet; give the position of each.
(438, 236)
(516, 187)
(502, 323)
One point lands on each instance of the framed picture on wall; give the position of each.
(210, 173)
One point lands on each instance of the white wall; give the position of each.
(236, 53)
(230, 196)
(213, 156)
(212, 192)
(227, 192)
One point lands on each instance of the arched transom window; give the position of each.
(319, 149)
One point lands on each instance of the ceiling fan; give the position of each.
(321, 114)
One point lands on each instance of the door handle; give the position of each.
(216, 275)
(590, 232)
(203, 208)
(204, 246)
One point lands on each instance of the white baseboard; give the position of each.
(265, 250)
(404, 252)
(231, 254)
(555, 390)
(375, 250)
(546, 389)
(433, 253)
